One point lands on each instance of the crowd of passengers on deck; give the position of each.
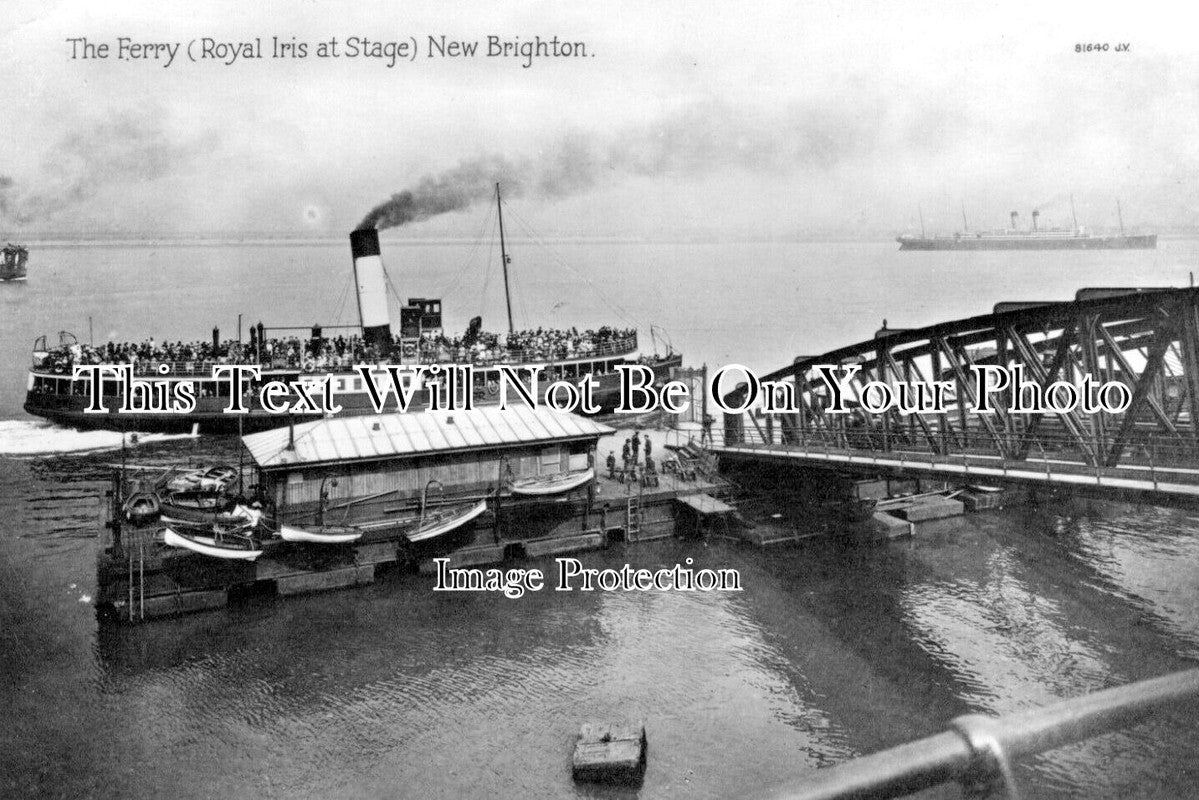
(344, 352)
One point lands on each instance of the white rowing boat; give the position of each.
(330, 534)
(218, 544)
(553, 484)
(440, 523)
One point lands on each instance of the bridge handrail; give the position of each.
(977, 748)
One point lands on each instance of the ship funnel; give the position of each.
(1035, 214)
(1014, 215)
(372, 290)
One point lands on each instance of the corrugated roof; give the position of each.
(376, 436)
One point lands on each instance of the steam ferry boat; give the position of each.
(12, 267)
(304, 364)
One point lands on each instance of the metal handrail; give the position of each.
(980, 747)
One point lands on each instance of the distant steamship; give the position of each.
(54, 394)
(1034, 238)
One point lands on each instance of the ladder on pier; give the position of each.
(632, 519)
(137, 578)
(135, 552)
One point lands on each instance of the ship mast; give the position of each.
(1073, 216)
(920, 211)
(965, 227)
(1120, 216)
(504, 256)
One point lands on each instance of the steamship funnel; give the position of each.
(372, 290)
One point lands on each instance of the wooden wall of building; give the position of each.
(370, 490)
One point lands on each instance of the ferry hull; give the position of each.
(209, 416)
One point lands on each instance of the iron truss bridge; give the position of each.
(1103, 393)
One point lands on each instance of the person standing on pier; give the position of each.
(649, 446)
(636, 445)
(627, 453)
(611, 465)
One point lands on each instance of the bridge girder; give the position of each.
(1148, 340)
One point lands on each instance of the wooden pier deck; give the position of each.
(139, 577)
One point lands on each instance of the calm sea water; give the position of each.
(394, 691)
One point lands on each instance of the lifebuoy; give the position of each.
(409, 350)
(309, 365)
(493, 388)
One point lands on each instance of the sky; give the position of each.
(767, 120)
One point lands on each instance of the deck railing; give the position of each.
(978, 750)
(345, 364)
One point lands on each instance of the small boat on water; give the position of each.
(559, 483)
(218, 541)
(12, 267)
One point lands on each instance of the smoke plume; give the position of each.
(698, 140)
(1060, 201)
(126, 148)
(452, 190)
